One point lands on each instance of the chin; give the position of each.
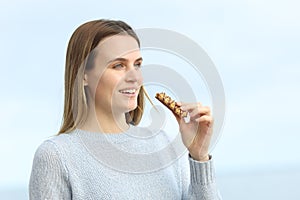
(124, 108)
(131, 107)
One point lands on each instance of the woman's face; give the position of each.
(115, 80)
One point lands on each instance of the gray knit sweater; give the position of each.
(85, 165)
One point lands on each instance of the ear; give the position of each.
(85, 80)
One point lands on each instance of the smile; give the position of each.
(128, 91)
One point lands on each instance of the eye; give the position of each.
(118, 66)
(138, 65)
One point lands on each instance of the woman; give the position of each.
(104, 102)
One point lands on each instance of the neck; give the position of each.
(105, 122)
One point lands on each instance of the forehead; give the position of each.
(117, 46)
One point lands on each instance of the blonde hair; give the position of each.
(79, 57)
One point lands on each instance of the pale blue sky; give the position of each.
(253, 44)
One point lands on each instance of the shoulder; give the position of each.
(52, 148)
(56, 141)
(49, 164)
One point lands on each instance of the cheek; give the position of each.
(140, 79)
(108, 84)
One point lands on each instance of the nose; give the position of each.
(133, 75)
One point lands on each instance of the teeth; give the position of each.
(129, 91)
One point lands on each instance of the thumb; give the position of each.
(179, 120)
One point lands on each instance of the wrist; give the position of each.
(201, 158)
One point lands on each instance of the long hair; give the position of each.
(79, 56)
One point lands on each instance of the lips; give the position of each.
(128, 91)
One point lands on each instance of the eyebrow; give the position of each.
(124, 60)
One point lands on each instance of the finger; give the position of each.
(178, 119)
(190, 106)
(179, 103)
(205, 119)
(199, 111)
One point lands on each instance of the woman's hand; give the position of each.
(197, 133)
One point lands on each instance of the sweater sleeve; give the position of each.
(49, 177)
(199, 180)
